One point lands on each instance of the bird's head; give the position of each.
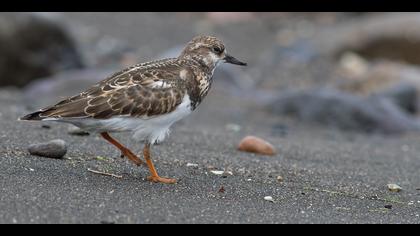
(210, 51)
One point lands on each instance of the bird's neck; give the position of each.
(207, 64)
(201, 82)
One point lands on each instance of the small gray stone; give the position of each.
(394, 188)
(53, 149)
(77, 132)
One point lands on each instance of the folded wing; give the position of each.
(143, 91)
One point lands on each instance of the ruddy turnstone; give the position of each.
(145, 99)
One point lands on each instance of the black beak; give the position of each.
(232, 60)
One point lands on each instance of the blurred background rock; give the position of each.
(360, 71)
(33, 46)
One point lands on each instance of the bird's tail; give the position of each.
(36, 116)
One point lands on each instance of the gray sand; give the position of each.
(329, 176)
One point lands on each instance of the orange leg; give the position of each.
(124, 151)
(154, 175)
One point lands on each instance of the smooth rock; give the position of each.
(397, 81)
(256, 145)
(394, 36)
(394, 188)
(269, 199)
(404, 95)
(54, 149)
(346, 111)
(77, 132)
(379, 76)
(353, 65)
(192, 165)
(280, 178)
(221, 172)
(32, 47)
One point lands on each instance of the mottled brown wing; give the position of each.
(145, 91)
(135, 101)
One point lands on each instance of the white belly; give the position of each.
(145, 129)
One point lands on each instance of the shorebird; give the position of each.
(145, 99)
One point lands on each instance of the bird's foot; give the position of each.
(157, 179)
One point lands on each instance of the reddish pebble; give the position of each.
(256, 145)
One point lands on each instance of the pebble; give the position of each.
(222, 190)
(221, 172)
(256, 145)
(280, 178)
(53, 149)
(192, 165)
(77, 132)
(269, 198)
(353, 64)
(394, 188)
(217, 172)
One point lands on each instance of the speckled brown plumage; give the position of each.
(144, 90)
(145, 99)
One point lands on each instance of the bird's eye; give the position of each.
(217, 50)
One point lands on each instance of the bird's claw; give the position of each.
(157, 179)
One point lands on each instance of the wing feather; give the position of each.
(145, 90)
